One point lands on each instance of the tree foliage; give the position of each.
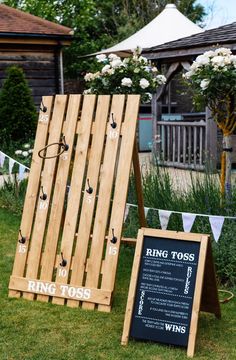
(17, 110)
(99, 24)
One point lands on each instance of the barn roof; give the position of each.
(15, 22)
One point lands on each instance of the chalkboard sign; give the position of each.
(166, 287)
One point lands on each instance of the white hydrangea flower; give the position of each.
(113, 57)
(209, 53)
(204, 84)
(18, 152)
(116, 63)
(136, 70)
(154, 69)
(161, 79)
(105, 68)
(88, 91)
(203, 60)
(26, 146)
(110, 71)
(144, 83)
(25, 153)
(223, 51)
(126, 82)
(101, 58)
(142, 58)
(30, 151)
(218, 61)
(89, 77)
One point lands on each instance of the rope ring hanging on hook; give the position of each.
(62, 148)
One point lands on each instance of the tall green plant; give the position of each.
(17, 110)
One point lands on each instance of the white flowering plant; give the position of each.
(132, 75)
(213, 79)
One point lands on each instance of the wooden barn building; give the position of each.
(35, 45)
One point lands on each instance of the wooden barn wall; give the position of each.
(40, 67)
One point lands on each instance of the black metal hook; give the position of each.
(44, 195)
(90, 189)
(113, 124)
(114, 238)
(23, 238)
(63, 262)
(44, 108)
(64, 144)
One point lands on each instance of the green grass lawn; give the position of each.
(33, 330)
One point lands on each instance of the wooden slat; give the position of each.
(179, 144)
(168, 143)
(120, 195)
(189, 145)
(103, 204)
(174, 144)
(62, 290)
(59, 192)
(85, 223)
(32, 191)
(132, 288)
(184, 145)
(195, 145)
(46, 182)
(76, 188)
(201, 146)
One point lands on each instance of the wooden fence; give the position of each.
(182, 144)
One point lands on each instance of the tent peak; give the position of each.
(170, 6)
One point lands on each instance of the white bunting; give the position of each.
(216, 225)
(2, 159)
(188, 220)
(146, 209)
(164, 216)
(11, 164)
(21, 172)
(126, 212)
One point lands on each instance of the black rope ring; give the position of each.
(62, 148)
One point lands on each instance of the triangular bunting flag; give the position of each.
(164, 218)
(2, 159)
(21, 172)
(126, 212)
(216, 225)
(188, 220)
(11, 164)
(146, 209)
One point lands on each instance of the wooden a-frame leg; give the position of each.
(138, 186)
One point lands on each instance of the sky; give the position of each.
(221, 12)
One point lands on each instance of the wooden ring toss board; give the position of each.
(70, 232)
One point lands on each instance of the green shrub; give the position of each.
(17, 110)
(12, 195)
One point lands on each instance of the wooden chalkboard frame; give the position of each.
(205, 283)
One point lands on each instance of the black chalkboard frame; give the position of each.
(205, 261)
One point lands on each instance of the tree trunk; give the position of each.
(227, 149)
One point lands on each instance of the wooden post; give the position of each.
(138, 186)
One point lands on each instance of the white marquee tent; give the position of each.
(169, 25)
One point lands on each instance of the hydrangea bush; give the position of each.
(213, 79)
(132, 75)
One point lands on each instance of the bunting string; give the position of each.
(216, 221)
(11, 163)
